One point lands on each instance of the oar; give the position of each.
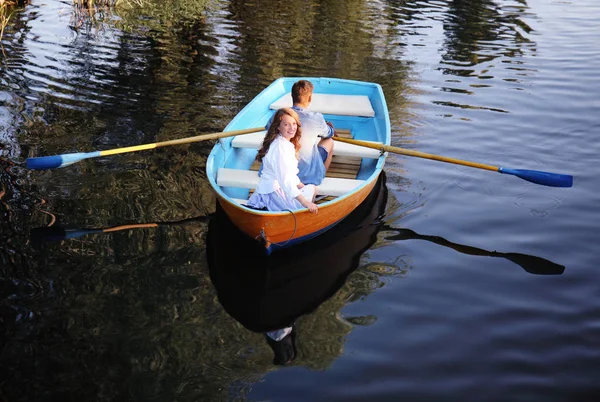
(57, 233)
(534, 176)
(530, 263)
(57, 161)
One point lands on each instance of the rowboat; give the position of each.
(357, 109)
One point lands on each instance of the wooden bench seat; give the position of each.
(334, 104)
(249, 179)
(254, 141)
(239, 201)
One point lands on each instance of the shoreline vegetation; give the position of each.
(128, 11)
(6, 9)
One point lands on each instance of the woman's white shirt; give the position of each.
(280, 169)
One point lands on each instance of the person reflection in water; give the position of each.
(283, 343)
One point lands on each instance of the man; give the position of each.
(316, 143)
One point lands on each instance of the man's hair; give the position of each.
(301, 90)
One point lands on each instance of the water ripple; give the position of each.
(442, 297)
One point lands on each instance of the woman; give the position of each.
(279, 187)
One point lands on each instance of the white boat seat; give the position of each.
(249, 179)
(239, 201)
(343, 105)
(254, 141)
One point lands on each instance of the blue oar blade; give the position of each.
(56, 233)
(58, 161)
(543, 178)
(75, 233)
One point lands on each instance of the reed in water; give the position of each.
(6, 9)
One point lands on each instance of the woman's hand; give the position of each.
(312, 207)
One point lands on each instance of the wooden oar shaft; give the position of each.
(132, 226)
(204, 137)
(409, 152)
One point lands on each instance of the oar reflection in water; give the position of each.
(532, 264)
(58, 233)
(268, 294)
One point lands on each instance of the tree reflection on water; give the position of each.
(137, 312)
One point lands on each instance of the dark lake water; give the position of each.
(450, 284)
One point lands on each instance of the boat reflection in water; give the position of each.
(266, 294)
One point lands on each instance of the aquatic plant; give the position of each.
(6, 9)
(165, 10)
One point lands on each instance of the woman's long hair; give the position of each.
(273, 131)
